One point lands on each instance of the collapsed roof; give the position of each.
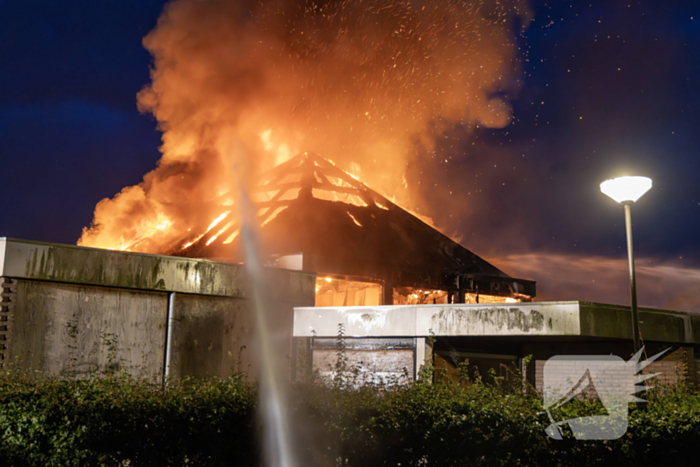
(308, 205)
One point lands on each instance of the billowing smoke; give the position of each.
(360, 82)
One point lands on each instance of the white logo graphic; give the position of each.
(608, 377)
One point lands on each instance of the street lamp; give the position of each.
(627, 190)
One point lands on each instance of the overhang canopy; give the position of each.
(549, 319)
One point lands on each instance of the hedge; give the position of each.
(117, 421)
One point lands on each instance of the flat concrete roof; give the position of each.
(23, 259)
(512, 319)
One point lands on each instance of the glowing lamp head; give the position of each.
(626, 189)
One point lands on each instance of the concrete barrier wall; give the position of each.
(62, 329)
(76, 324)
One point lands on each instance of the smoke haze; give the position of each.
(662, 285)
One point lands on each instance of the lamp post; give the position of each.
(626, 191)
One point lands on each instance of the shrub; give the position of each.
(114, 420)
(117, 421)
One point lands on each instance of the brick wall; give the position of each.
(8, 293)
(674, 366)
(694, 367)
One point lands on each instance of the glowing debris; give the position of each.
(354, 220)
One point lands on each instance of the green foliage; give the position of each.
(105, 422)
(117, 421)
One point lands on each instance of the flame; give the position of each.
(290, 194)
(354, 220)
(263, 196)
(291, 178)
(214, 237)
(265, 138)
(340, 182)
(286, 191)
(232, 237)
(282, 152)
(144, 231)
(162, 223)
(329, 195)
(285, 185)
(217, 220)
(190, 243)
(273, 215)
(482, 298)
(419, 296)
(211, 226)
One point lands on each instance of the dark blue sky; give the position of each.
(606, 86)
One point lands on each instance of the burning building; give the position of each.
(374, 84)
(365, 249)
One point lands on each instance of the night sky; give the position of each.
(606, 88)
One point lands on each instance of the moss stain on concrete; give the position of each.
(145, 272)
(500, 319)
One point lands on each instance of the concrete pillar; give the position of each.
(388, 291)
(424, 355)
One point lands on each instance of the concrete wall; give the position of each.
(554, 318)
(539, 329)
(63, 329)
(72, 312)
(206, 339)
(560, 319)
(216, 335)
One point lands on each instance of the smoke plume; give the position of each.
(361, 82)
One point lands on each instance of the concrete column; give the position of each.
(388, 291)
(424, 355)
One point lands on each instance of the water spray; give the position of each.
(272, 396)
